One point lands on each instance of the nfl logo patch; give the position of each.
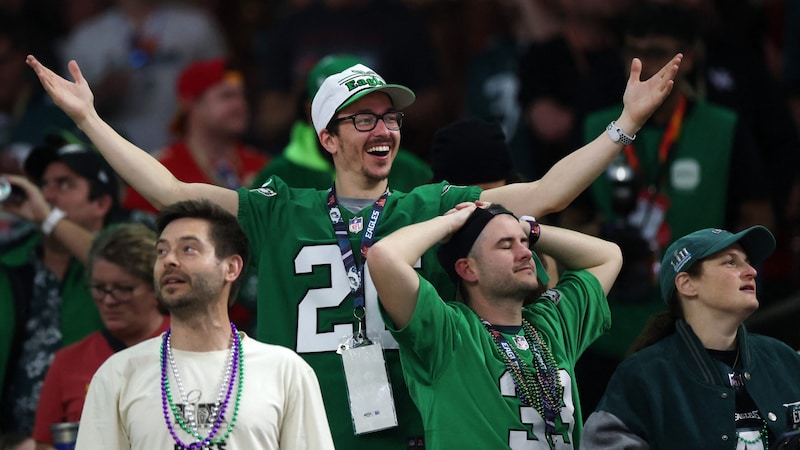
(356, 224)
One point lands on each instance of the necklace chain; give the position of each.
(538, 386)
(189, 409)
(235, 366)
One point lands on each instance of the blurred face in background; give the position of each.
(127, 304)
(222, 108)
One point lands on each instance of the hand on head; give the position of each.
(459, 215)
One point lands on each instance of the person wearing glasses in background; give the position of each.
(121, 282)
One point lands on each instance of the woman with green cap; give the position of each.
(699, 379)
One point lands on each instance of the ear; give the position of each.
(233, 266)
(464, 269)
(685, 285)
(103, 204)
(328, 141)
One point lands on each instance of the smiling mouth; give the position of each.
(379, 150)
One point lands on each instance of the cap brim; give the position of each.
(757, 241)
(401, 96)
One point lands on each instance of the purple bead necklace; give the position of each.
(235, 366)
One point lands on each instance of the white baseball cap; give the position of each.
(349, 85)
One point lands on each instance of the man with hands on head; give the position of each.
(307, 302)
(489, 372)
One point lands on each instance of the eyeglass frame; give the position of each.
(101, 288)
(352, 117)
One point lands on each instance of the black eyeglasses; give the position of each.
(118, 293)
(368, 121)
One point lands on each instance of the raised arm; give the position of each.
(580, 251)
(138, 168)
(575, 172)
(391, 261)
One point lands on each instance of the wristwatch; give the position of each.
(617, 135)
(535, 232)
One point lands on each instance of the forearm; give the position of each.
(146, 174)
(561, 184)
(409, 243)
(76, 239)
(577, 251)
(138, 168)
(391, 261)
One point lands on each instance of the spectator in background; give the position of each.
(400, 49)
(305, 162)
(44, 302)
(120, 268)
(133, 53)
(210, 122)
(732, 70)
(582, 74)
(698, 379)
(26, 114)
(683, 171)
(212, 118)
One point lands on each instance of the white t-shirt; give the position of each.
(281, 405)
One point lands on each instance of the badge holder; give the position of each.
(368, 388)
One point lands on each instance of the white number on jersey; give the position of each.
(309, 339)
(518, 440)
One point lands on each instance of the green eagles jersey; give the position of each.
(459, 381)
(304, 295)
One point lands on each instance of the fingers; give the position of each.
(636, 70)
(75, 71)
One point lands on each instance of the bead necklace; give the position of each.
(540, 386)
(236, 364)
(763, 433)
(189, 408)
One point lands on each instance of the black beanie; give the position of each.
(470, 151)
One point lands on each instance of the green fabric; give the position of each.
(696, 185)
(302, 165)
(674, 395)
(454, 369)
(78, 316)
(699, 167)
(304, 296)
(303, 149)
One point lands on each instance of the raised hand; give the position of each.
(642, 98)
(74, 98)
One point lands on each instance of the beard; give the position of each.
(197, 299)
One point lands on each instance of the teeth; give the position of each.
(379, 148)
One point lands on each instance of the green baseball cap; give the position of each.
(758, 242)
(326, 67)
